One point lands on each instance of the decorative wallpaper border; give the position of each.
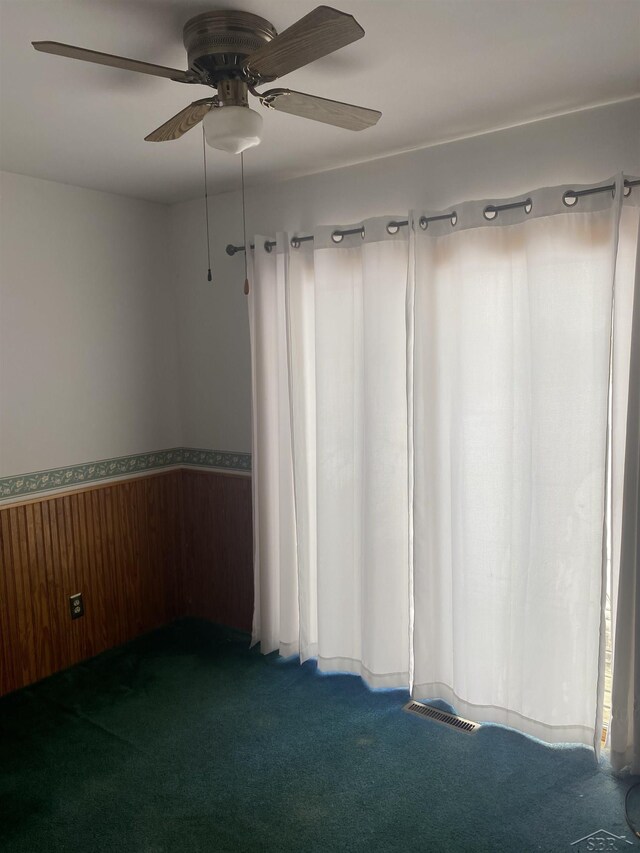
(216, 459)
(23, 485)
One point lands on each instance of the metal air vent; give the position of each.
(431, 713)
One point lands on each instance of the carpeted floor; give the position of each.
(186, 741)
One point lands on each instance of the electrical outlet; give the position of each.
(76, 605)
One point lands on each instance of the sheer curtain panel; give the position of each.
(624, 732)
(510, 387)
(275, 612)
(347, 374)
(329, 405)
(439, 441)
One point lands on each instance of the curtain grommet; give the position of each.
(423, 222)
(570, 198)
(337, 236)
(490, 213)
(454, 219)
(528, 206)
(268, 247)
(295, 243)
(392, 227)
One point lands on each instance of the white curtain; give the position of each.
(275, 615)
(342, 594)
(347, 373)
(511, 375)
(624, 731)
(430, 455)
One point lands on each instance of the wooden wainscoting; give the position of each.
(142, 552)
(118, 544)
(218, 548)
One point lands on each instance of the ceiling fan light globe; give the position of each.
(232, 128)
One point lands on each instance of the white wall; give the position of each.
(88, 352)
(586, 146)
(112, 341)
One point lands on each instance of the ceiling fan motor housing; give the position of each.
(217, 43)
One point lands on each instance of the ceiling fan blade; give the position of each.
(73, 52)
(349, 116)
(181, 122)
(317, 34)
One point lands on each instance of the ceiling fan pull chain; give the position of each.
(244, 227)
(206, 204)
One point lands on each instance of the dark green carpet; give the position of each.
(186, 741)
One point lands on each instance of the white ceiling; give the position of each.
(438, 69)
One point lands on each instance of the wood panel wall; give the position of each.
(218, 548)
(142, 551)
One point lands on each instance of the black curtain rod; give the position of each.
(569, 198)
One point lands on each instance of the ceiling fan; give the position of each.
(235, 51)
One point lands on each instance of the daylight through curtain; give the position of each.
(510, 393)
(624, 732)
(430, 453)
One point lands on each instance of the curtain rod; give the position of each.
(569, 198)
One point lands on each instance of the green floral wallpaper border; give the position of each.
(23, 485)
